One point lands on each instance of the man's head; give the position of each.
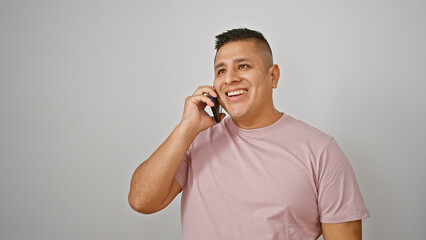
(245, 76)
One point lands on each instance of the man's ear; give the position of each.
(274, 73)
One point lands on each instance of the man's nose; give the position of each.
(232, 77)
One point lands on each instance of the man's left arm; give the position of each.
(345, 230)
(341, 207)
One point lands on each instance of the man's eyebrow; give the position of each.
(219, 65)
(237, 60)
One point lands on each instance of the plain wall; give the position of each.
(89, 89)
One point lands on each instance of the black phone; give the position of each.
(216, 109)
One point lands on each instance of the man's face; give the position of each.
(243, 79)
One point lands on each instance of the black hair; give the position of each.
(239, 34)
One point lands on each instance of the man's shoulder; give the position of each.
(301, 130)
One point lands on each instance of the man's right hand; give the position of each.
(195, 118)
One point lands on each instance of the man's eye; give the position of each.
(243, 66)
(221, 71)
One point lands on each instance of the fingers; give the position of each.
(197, 99)
(201, 95)
(203, 90)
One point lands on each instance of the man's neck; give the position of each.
(258, 121)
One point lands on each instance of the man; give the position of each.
(259, 174)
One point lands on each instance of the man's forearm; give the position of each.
(152, 180)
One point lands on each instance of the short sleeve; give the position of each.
(182, 173)
(339, 197)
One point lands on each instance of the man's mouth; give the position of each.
(236, 93)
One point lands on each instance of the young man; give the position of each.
(259, 174)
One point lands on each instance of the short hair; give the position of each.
(239, 34)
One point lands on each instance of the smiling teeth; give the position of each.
(239, 92)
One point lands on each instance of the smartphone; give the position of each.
(216, 109)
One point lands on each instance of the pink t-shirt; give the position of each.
(275, 182)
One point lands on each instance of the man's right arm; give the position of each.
(153, 187)
(152, 180)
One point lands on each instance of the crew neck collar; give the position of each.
(257, 132)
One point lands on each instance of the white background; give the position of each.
(89, 89)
